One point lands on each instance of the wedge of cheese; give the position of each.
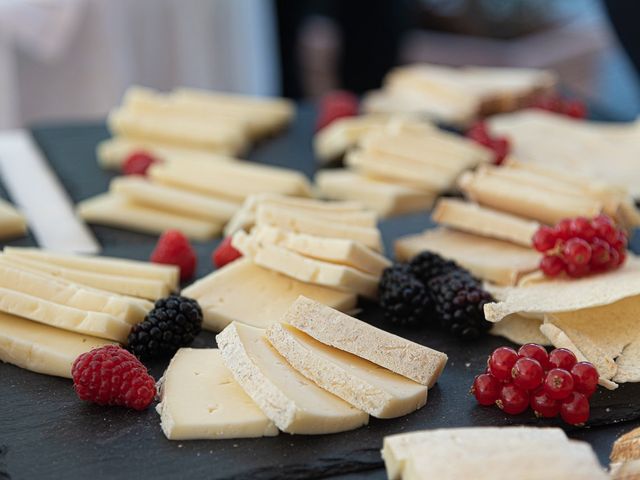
(292, 402)
(199, 399)
(385, 198)
(365, 385)
(486, 222)
(308, 270)
(12, 222)
(242, 288)
(487, 258)
(42, 348)
(117, 211)
(173, 200)
(341, 331)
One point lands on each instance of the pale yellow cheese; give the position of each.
(116, 211)
(12, 223)
(293, 403)
(334, 328)
(365, 385)
(247, 293)
(340, 135)
(41, 348)
(199, 399)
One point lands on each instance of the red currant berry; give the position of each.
(501, 148)
(575, 409)
(513, 399)
(479, 133)
(527, 373)
(552, 265)
(558, 383)
(622, 256)
(544, 239)
(578, 271)
(538, 352)
(581, 227)
(562, 358)
(620, 243)
(543, 405)
(599, 254)
(563, 229)
(614, 258)
(138, 163)
(501, 362)
(577, 251)
(575, 109)
(605, 228)
(585, 378)
(486, 389)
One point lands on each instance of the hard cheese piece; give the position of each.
(173, 200)
(12, 223)
(472, 218)
(201, 400)
(293, 403)
(41, 348)
(493, 260)
(117, 211)
(336, 138)
(307, 270)
(385, 198)
(349, 334)
(97, 324)
(365, 385)
(521, 330)
(244, 292)
(168, 274)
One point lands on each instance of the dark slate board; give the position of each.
(45, 432)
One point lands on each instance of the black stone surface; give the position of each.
(47, 433)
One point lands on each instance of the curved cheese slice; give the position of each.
(293, 403)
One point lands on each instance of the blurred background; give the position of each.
(73, 59)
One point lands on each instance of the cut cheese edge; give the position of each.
(12, 223)
(293, 403)
(336, 138)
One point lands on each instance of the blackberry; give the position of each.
(458, 300)
(403, 298)
(172, 323)
(427, 265)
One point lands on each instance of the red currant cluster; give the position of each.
(551, 383)
(500, 146)
(335, 105)
(580, 246)
(557, 104)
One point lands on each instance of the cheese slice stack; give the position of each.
(12, 222)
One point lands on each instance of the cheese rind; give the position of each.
(293, 403)
(365, 385)
(199, 399)
(331, 327)
(41, 348)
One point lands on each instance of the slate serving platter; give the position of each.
(46, 433)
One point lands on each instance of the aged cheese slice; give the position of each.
(199, 399)
(168, 274)
(96, 324)
(365, 385)
(125, 285)
(520, 329)
(316, 272)
(486, 222)
(41, 348)
(116, 211)
(340, 135)
(300, 223)
(247, 293)
(12, 223)
(493, 260)
(293, 403)
(173, 200)
(397, 449)
(385, 198)
(349, 334)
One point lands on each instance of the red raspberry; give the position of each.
(335, 105)
(486, 389)
(225, 253)
(575, 409)
(173, 248)
(112, 376)
(138, 163)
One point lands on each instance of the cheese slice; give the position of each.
(247, 293)
(96, 324)
(494, 260)
(12, 222)
(41, 348)
(307, 270)
(173, 200)
(321, 227)
(340, 135)
(169, 274)
(387, 199)
(199, 399)
(293, 403)
(486, 222)
(116, 211)
(365, 385)
(349, 334)
(136, 287)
